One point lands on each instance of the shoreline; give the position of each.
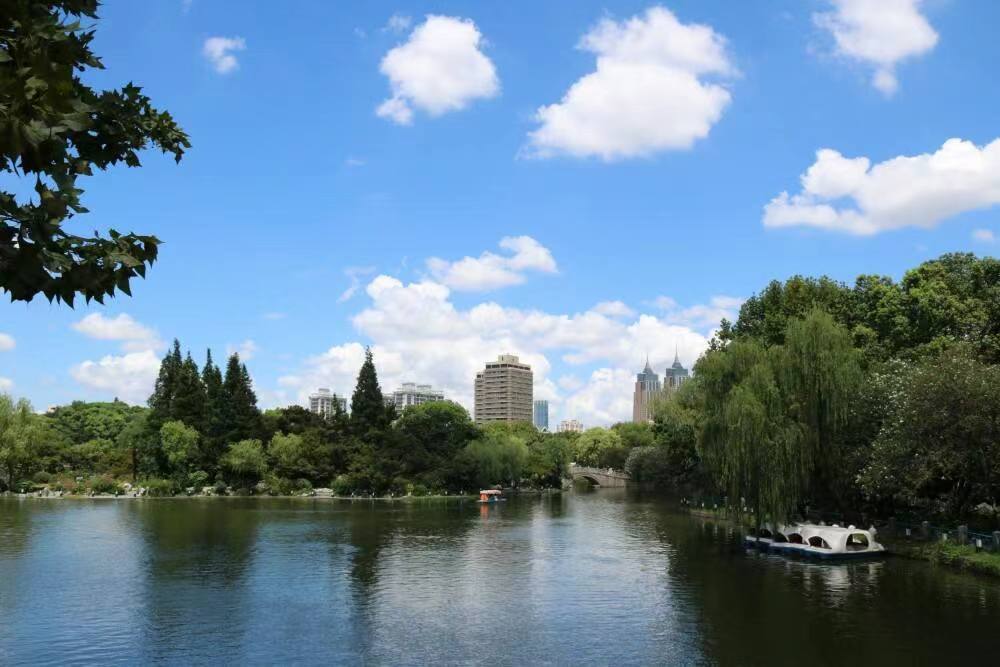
(311, 496)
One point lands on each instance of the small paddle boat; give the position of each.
(491, 496)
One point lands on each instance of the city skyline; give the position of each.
(552, 266)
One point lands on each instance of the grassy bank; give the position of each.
(948, 554)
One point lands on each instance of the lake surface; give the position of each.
(596, 578)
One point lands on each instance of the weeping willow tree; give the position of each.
(772, 414)
(820, 375)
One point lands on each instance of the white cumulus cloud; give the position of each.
(133, 335)
(659, 85)
(129, 377)
(852, 195)
(7, 342)
(6, 384)
(221, 52)
(879, 33)
(440, 68)
(490, 270)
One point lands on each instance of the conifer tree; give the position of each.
(213, 426)
(241, 418)
(368, 409)
(161, 403)
(189, 398)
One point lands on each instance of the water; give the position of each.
(598, 578)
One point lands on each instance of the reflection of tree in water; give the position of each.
(374, 525)
(214, 537)
(197, 554)
(366, 531)
(16, 525)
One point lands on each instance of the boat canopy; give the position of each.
(490, 492)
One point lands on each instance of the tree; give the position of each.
(751, 446)
(633, 434)
(161, 402)
(955, 298)
(939, 445)
(246, 462)
(189, 402)
(241, 418)
(548, 460)
(672, 462)
(140, 443)
(213, 426)
(180, 446)
(20, 436)
(819, 372)
(368, 408)
(497, 457)
(432, 434)
(601, 448)
(55, 128)
(288, 455)
(772, 415)
(83, 421)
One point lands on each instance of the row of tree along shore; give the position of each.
(880, 396)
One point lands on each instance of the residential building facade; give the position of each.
(503, 391)
(411, 393)
(570, 426)
(540, 415)
(323, 402)
(647, 390)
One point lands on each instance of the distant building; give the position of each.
(504, 391)
(570, 426)
(540, 415)
(410, 393)
(647, 389)
(675, 376)
(322, 402)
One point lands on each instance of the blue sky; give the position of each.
(632, 155)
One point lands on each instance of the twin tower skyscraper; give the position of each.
(648, 388)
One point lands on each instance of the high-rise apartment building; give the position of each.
(675, 376)
(410, 393)
(504, 391)
(570, 426)
(647, 389)
(540, 415)
(322, 402)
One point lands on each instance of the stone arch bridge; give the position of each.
(605, 477)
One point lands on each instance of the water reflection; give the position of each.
(603, 578)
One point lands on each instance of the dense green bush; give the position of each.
(160, 488)
(198, 479)
(279, 486)
(103, 484)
